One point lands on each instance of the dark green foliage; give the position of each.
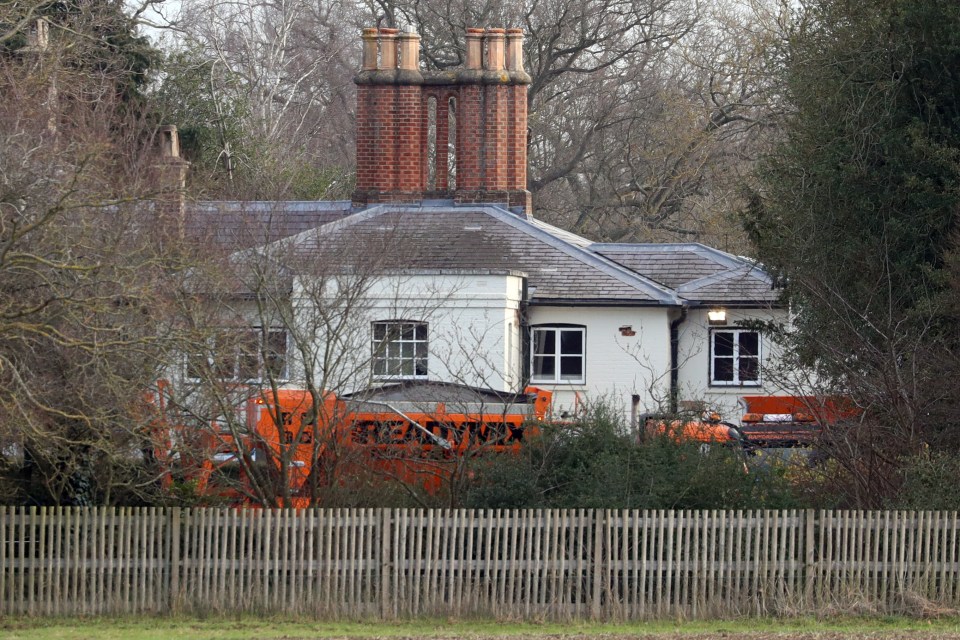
(930, 481)
(95, 38)
(210, 126)
(231, 159)
(593, 464)
(857, 212)
(858, 202)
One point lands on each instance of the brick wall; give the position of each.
(393, 126)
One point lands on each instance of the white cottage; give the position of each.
(439, 271)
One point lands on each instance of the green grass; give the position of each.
(250, 628)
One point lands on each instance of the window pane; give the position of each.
(571, 342)
(402, 346)
(749, 369)
(276, 353)
(749, 343)
(723, 369)
(722, 343)
(249, 366)
(196, 364)
(277, 342)
(543, 366)
(571, 367)
(391, 350)
(224, 363)
(544, 341)
(224, 357)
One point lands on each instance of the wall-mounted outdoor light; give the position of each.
(717, 316)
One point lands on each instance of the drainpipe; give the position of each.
(525, 294)
(674, 360)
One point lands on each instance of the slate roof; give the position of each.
(562, 268)
(698, 273)
(241, 225)
(485, 238)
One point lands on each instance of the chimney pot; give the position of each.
(475, 48)
(370, 49)
(172, 172)
(515, 49)
(410, 50)
(388, 48)
(169, 141)
(494, 39)
(38, 38)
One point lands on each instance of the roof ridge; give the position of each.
(342, 223)
(560, 231)
(716, 255)
(656, 290)
(722, 276)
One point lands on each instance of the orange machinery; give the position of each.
(414, 433)
(708, 429)
(792, 421)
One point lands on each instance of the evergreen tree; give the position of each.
(859, 202)
(93, 37)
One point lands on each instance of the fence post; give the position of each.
(598, 521)
(173, 562)
(385, 570)
(810, 561)
(4, 561)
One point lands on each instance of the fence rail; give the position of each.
(546, 563)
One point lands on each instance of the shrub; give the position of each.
(930, 481)
(593, 463)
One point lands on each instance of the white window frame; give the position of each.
(735, 358)
(385, 349)
(258, 334)
(557, 330)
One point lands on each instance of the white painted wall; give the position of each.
(694, 358)
(475, 339)
(617, 366)
(473, 328)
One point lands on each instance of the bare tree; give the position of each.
(644, 116)
(84, 259)
(284, 330)
(279, 72)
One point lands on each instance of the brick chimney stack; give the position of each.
(408, 122)
(171, 173)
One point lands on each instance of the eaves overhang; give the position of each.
(602, 302)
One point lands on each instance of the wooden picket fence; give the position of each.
(390, 563)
